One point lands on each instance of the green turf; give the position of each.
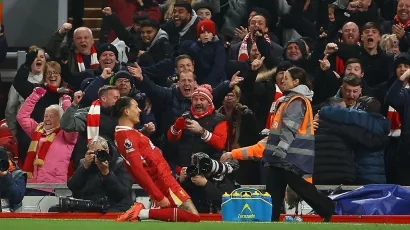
(44, 224)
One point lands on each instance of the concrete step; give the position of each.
(92, 13)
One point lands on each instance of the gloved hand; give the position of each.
(39, 92)
(179, 124)
(30, 57)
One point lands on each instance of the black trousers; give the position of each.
(278, 178)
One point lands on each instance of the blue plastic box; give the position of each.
(246, 205)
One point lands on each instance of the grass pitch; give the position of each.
(46, 224)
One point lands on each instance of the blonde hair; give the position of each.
(170, 10)
(237, 91)
(55, 66)
(388, 41)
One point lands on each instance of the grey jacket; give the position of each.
(53, 49)
(15, 101)
(74, 119)
(233, 16)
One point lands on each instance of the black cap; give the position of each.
(203, 5)
(107, 47)
(84, 84)
(186, 5)
(122, 74)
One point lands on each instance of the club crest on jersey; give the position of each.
(128, 146)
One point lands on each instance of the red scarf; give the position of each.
(93, 120)
(210, 110)
(232, 127)
(34, 156)
(61, 91)
(405, 25)
(94, 60)
(243, 49)
(278, 94)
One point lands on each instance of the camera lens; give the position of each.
(4, 165)
(192, 171)
(102, 155)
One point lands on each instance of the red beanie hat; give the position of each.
(204, 91)
(205, 25)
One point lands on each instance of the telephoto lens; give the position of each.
(102, 155)
(192, 171)
(4, 165)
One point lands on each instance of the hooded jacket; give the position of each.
(158, 50)
(369, 153)
(177, 35)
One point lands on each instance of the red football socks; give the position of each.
(172, 215)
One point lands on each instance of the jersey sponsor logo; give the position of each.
(127, 144)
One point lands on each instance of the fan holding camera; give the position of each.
(100, 184)
(206, 180)
(202, 129)
(12, 183)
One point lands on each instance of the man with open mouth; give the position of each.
(183, 24)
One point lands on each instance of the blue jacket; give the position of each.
(368, 144)
(210, 61)
(399, 97)
(13, 188)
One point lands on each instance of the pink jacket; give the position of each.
(58, 156)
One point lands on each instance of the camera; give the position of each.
(67, 204)
(4, 165)
(202, 164)
(102, 155)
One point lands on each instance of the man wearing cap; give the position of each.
(124, 82)
(201, 130)
(12, 183)
(107, 57)
(183, 24)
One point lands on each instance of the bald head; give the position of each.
(351, 33)
(83, 40)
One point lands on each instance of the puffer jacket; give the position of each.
(56, 162)
(369, 144)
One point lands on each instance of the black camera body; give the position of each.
(102, 155)
(4, 165)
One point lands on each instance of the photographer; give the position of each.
(12, 183)
(206, 180)
(100, 181)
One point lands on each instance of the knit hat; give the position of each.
(122, 74)
(299, 43)
(203, 5)
(205, 25)
(186, 5)
(204, 91)
(107, 47)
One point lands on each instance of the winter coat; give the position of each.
(56, 162)
(210, 61)
(90, 184)
(3, 48)
(404, 42)
(369, 153)
(158, 50)
(13, 188)
(14, 102)
(334, 156)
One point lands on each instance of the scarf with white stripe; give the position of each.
(243, 49)
(94, 60)
(93, 120)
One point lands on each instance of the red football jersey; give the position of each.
(144, 161)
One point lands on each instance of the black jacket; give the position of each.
(90, 184)
(158, 50)
(174, 33)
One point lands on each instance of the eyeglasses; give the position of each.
(53, 73)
